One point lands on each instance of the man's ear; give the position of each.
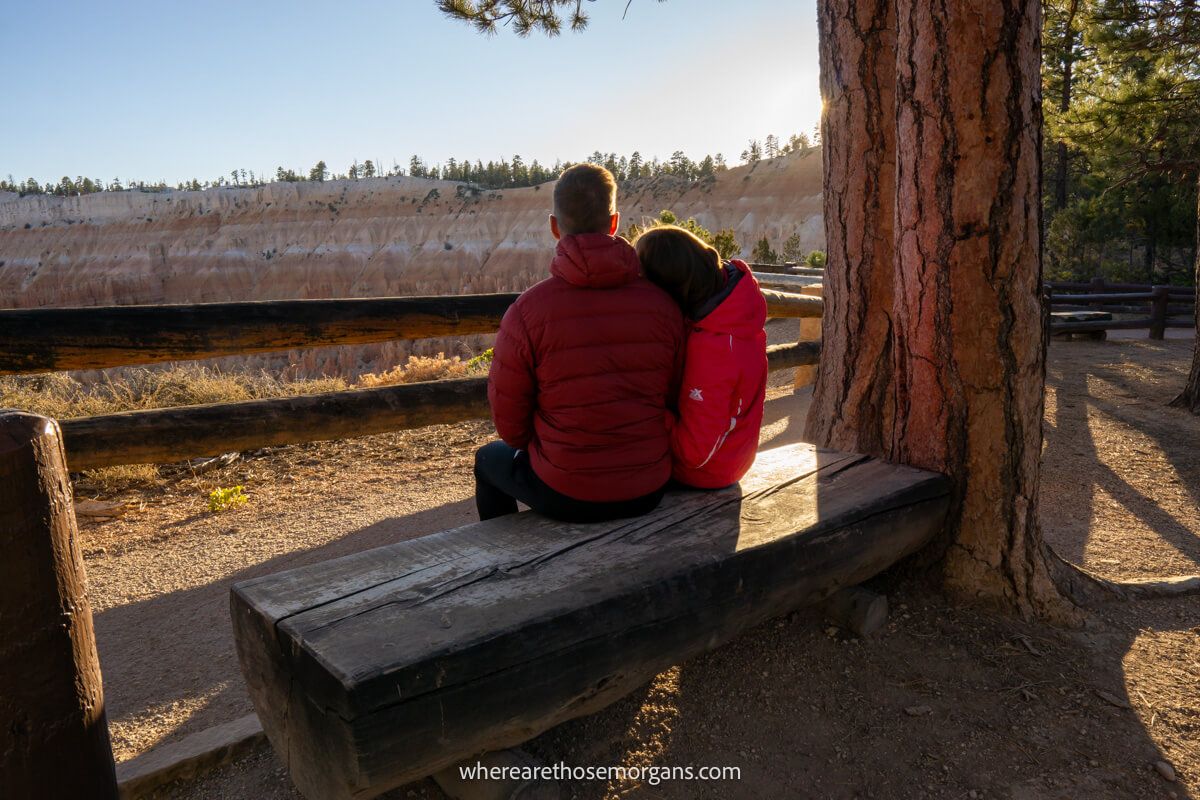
(614, 222)
(554, 227)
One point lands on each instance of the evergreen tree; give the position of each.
(368, 170)
(771, 146)
(319, 172)
(763, 254)
(753, 152)
(791, 249)
(726, 243)
(680, 165)
(635, 165)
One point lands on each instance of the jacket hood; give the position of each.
(740, 308)
(595, 260)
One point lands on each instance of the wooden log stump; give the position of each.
(53, 732)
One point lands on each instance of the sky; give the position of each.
(152, 90)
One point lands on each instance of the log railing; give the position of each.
(1160, 307)
(41, 340)
(50, 339)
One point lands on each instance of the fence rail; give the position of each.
(50, 339)
(41, 340)
(1099, 285)
(1163, 307)
(165, 435)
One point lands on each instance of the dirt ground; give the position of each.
(947, 702)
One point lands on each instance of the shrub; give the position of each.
(481, 361)
(224, 499)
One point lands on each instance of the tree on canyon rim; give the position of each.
(933, 338)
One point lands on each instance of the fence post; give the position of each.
(1158, 313)
(53, 731)
(810, 331)
(1098, 287)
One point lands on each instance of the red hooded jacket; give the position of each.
(724, 385)
(584, 368)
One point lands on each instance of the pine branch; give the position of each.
(523, 16)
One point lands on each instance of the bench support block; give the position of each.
(858, 610)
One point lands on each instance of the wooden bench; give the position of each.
(383, 667)
(1080, 316)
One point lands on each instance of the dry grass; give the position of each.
(62, 396)
(111, 480)
(418, 369)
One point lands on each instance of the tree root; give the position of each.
(1088, 589)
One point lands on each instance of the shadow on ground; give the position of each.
(146, 663)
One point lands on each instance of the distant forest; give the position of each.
(502, 174)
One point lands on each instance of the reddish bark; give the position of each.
(853, 401)
(968, 330)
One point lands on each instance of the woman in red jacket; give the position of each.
(715, 437)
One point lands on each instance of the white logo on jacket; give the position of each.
(694, 394)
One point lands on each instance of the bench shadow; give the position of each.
(173, 654)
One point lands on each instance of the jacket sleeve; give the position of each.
(707, 402)
(512, 382)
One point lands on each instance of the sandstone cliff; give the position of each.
(374, 237)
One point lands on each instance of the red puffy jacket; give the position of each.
(724, 385)
(584, 368)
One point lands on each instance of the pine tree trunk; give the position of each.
(853, 401)
(967, 322)
(1190, 398)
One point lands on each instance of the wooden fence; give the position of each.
(1154, 307)
(42, 340)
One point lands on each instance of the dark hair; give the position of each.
(682, 264)
(585, 198)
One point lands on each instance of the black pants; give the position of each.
(503, 476)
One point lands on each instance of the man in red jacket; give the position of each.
(584, 368)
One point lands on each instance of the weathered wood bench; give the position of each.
(383, 667)
(1058, 317)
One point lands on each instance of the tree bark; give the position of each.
(53, 734)
(853, 400)
(1190, 397)
(967, 322)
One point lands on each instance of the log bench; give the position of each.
(382, 667)
(1072, 317)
